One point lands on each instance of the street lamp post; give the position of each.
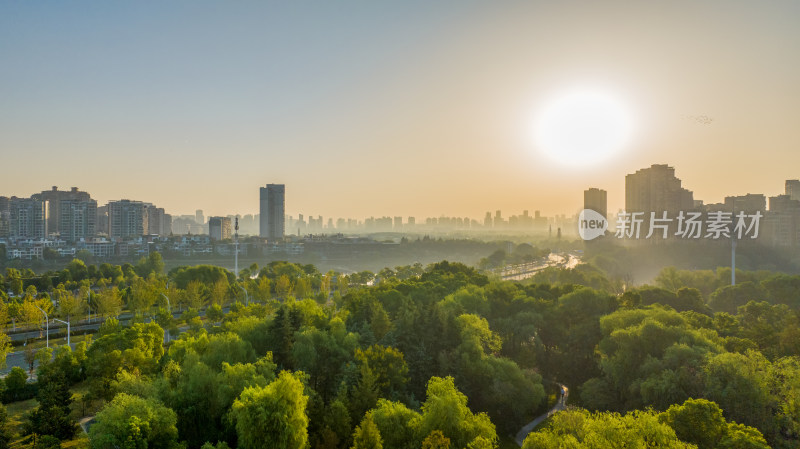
(246, 296)
(47, 323)
(236, 249)
(89, 305)
(68, 332)
(169, 308)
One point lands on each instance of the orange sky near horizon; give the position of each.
(410, 109)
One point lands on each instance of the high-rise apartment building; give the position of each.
(71, 214)
(793, 189)
(102, 220)
(594, 199)
(272, 209)
(5, 217)
(158, 222)
(219, 228)
(77, 219)
(27, 218)
(127, 219)
(782, 222)
(656, 189)
(750, 203)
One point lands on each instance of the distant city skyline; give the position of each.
(391, 108)
(778, 186)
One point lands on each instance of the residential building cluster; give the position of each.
(656, 190)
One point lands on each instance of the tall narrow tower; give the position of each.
(236, 248)
(273, 212)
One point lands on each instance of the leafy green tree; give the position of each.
(396, 424)
(207, 275)
(152, 264)
(219, 292)
(730, 297)
(5, 432)
(138, 348)
(367, 435)
(364, 395)
(5, 348)
(47, 441)
(650, 357)
(5, 313)
(69, 305)
(380, 324)
(579, 429)
(436, 440)
(630, 299)
(281, 333)
(570, 343)
(195, 399)
(166, 320)
(740, 384)
(77, 270)
(64, 365)
(143, 294)
(389, 368)
(700, 422)
(43, 356)
(445, 409)
(494, 384)
(193, 296)
(739, 436)
(336, 425)
(323, 357)
(202, 396)
(697, 421)
(283, 287)
(763, 323)
(16, 383)
(131, 421)
(52, 416)
(272, 416)
(783, 289)
(213, 350)
(109, 302)
(214, 313)
(302, 288)
(263, 289)
(219, 445)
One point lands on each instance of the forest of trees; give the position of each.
(440, 356)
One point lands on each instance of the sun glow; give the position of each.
(582, 127)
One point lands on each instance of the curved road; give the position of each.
(561, 404)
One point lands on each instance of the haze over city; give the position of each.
(390, 109)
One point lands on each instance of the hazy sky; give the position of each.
(388, 108)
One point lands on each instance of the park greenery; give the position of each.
(437, 356)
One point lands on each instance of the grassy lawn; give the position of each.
(16, 414)
(54, 342)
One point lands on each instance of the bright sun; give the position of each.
(582, 127)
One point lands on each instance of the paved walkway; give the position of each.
(86, 422)
(560, 405)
